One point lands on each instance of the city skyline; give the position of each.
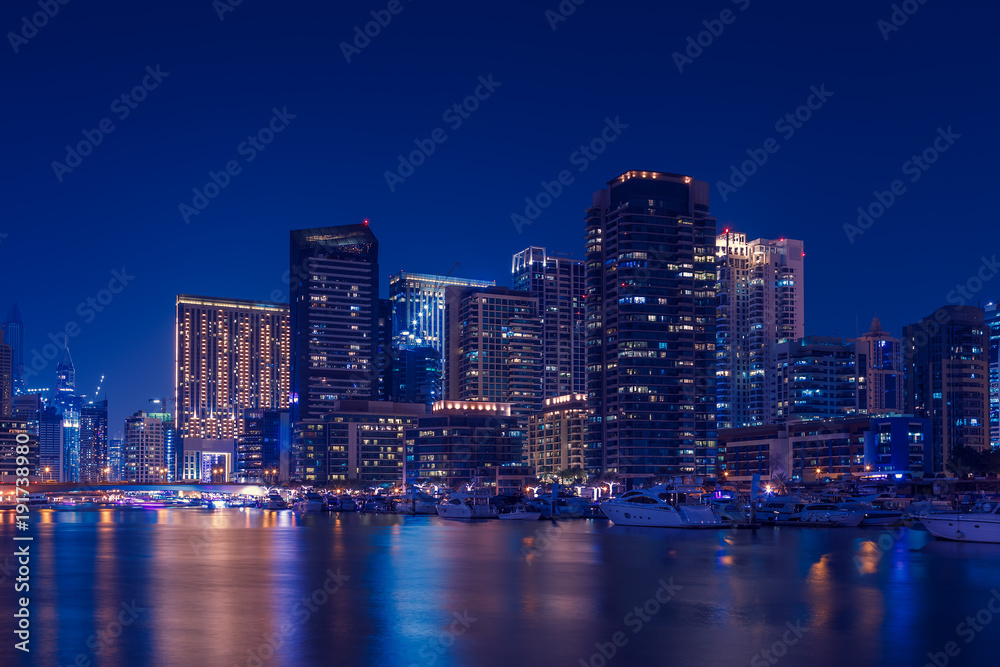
(854, 145)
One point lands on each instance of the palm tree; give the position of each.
(570, 475)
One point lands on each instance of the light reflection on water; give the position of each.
(215, 585)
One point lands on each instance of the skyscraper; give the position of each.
(258, 449)
(493, 338)
(94, 442)
(143, 450)
(51, 450)
(557, 282)
(760, 305)
(993, 322)
(947, 378)
(879, 359)
(651, 382)
(418, 303)
(334, 317)
(416, 376)
(231, 355)
(13, 335)
(816, 378)
(68, 404)
(115, 458)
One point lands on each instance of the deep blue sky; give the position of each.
(119, 208)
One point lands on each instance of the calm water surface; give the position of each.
(224, 587)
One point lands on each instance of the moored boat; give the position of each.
(661, 508)
(982, 524)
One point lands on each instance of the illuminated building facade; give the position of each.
(993, 324)
(462, 442)
(651, 367)
(418, 309)
(373, 433)
(231, 355)
(207, 460)
(760, 305)
(415, 376)
(115, 459)
(258, 449)
(557, 283)
(816, 378)
(879, 358)
(50, 445)
(143, 450)
(556, 434)
(94, 442)
(13, 335)
(494, 342)
(945, 358)
(334, 317)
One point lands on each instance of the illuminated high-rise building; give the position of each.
(13, 335)
(945, 357)
(879, 358)
(334, 317)
(760, 305)
(651, 382)
(143, 450)
(231, 355)
(557, 282)
(115, 458)
(94, 442)
(555, 434)
(816, 378)
(418, 304)
(993, 323)
(494, 342)
(51, 450)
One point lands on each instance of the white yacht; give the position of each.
(467, 506)
(275, 502)
(659, 507)
(794, 512)
(520, 513)
(311, 502)
(420, 503)
(874, 512)
(981, 524)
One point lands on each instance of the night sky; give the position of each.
(551, 91)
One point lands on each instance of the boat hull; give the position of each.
(659, 517)
(963, 528)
